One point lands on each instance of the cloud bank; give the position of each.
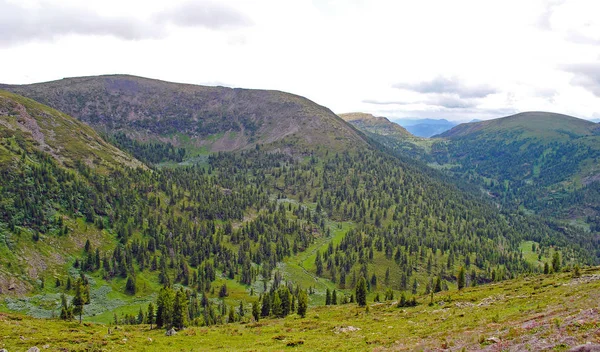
(47, 21)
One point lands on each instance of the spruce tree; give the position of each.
(78, 299)
(180, 309)
(361, 292)
(150, 314)
(276, 308)
(302, 303)
(460, 279)
(255, 311)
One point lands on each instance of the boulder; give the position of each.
(171, 332)
(33, 349)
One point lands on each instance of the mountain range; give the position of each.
(103, 190)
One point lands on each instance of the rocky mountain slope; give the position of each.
(209, 118)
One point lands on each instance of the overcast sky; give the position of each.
(457, 59)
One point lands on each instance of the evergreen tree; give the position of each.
(150, 314)
(255, 311)
(276, 308)
(78, 299)
(130, 286)
(556, 262)
(180, 309)
(334, 297)
(66, 312)
(164, 308)
(361, 292)
(303, 303)
(319, 264)
(460, 279)
(140, 317)
(327, 297)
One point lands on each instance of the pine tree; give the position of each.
(334, 297)
(255, 311)
(277, 309)
(327, 297)
(140, 317)
(180, 309)
(150, 314)
(164, 308)
(438, 284)
(361, 292)
(78, 299)
(319, 263)
(130, 286)
(460, 279)
(303, 303)
(66, 312)
(556, 262)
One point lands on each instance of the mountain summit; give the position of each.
(213, 118)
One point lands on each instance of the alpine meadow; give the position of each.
(140, 214)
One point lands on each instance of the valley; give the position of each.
(228, 210)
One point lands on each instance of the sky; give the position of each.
(459, 60)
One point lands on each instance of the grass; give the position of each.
(515, 314)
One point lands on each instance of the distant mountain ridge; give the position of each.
(214, 118)
(425, 127)
(375, 124)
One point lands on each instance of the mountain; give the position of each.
(425, 127)
(195, 117)
(542, 126)
(532, 159)
(375, 124)
(259, 226)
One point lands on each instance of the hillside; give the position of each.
(551, 312)
(26, 124)
(389, 134)
(536, 160)
(375, 124)
(198, 118)
(542, 126)
(42, 155)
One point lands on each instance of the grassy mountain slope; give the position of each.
(532, 159)
(33, 125)
(538, 161)
(538, 125)
(375, 124)
(553, 312)
(196, 117)
(389, 134)
(41, 151)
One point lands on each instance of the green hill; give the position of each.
(533, 161)
(542, 126)
(536, 160)
(197, 118)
